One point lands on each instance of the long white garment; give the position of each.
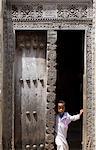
(61, 130)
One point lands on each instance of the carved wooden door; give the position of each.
(30, 90)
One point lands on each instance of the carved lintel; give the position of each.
(50, 12)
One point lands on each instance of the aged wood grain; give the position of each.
(30, 95)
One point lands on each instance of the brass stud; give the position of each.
(34, 112)
(41, 45)
(21, 45)
(28, 45)
(27, 146)
(21, 80)
(41, 145)
(28, 80)
(27, 112)
(34, 146)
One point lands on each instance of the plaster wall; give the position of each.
(1, 70)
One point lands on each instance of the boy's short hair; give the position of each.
(61, 101)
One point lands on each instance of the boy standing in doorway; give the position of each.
(62, 121)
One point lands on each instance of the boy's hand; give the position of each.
(81, 111)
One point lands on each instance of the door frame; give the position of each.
(51, 25)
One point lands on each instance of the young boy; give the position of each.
(62, 121)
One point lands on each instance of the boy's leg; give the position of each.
(60, 147)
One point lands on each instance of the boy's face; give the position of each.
(61, 107)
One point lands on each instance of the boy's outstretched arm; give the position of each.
(76, 117)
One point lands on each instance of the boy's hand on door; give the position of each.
(81, 112)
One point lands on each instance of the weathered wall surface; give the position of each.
(60, 1)
(1, 47)
(94, 64)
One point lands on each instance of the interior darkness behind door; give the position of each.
(69, 86)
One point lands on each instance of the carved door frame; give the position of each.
(51, 25)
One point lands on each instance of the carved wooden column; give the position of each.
(1, 67)
(89, 90)
(51, 85)
(94, 69)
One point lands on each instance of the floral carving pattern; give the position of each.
(35, 12)
(27, 12)
(72, 12)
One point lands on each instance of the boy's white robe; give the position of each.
(61, 130)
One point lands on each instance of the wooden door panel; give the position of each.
(30, 84)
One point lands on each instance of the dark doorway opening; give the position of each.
(69, 86)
